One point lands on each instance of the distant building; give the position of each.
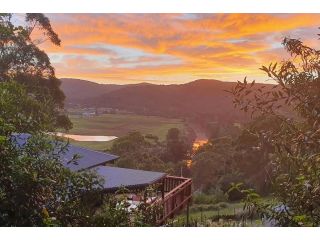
(88, 114)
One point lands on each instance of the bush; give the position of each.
(235, 195)
(203, 198)
(223, 205)
(213, 208)
(219, 195)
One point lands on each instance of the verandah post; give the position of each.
(188, 214)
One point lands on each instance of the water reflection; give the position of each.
(86, 138)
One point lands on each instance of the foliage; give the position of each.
(211, 162)
(234, 192)
(253, 154)
(295, 143)
(176, 146)
(213, 215)
(139, 152)
(36, 189)
(216, 197)
(116, 210)
(226, 160)
(22, 111)
(148, 153)
(21, 60)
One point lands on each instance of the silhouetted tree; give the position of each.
(177, 148)
(295, 142)
(139, 152)
(35, 188)
(22, 61)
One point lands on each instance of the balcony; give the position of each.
(176, 195)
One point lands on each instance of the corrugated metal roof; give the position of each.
(130, 178)
(114, 177)
(88, 158)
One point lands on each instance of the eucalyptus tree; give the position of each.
(294, 103)
(22, 60)
(35, 188)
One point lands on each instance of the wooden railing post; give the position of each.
(163, 188)
(187, 214)
(176, 194)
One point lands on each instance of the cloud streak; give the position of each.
(173, 48)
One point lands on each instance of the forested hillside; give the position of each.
(200, 99)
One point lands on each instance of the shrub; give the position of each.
(223, 205)
(203, 198)
(213, 208)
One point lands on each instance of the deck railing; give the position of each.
(177, 194)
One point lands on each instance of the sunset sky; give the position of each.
(173, 48)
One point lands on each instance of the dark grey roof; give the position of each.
(130, 178)
(114, 177)
(88, 158)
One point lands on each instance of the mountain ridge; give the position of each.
(202, 98)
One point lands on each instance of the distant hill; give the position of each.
(78, 90)
(203, 99)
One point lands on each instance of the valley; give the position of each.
(119, 125)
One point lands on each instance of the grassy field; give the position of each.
(202, 217)
(204, 213)
(119, 125)
(222, 209)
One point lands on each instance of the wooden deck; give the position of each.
(176, 195)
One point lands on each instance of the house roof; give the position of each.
(116, 177)
(88, 158)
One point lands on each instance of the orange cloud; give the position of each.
(140, 47)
